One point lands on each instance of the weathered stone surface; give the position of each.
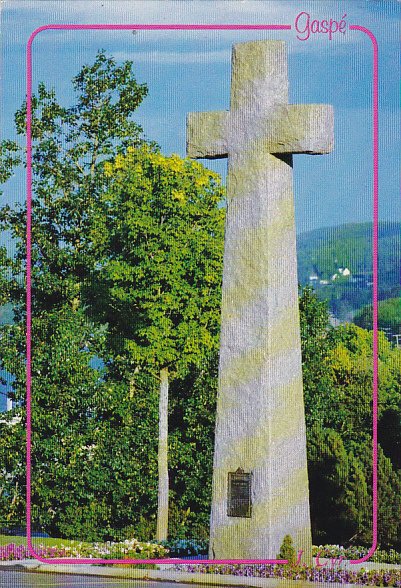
(260, 424)
(207, 136)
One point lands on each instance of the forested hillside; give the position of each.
(337, 263)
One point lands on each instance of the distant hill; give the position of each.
(337, 262)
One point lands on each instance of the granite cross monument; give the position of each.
(260, 478)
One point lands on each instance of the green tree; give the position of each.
(159, 273)
(191, 440)
(317, 341)
(339, 492)
(389, 316)
(93, 457)
(63, 389)
(70, 148)
(389, 503)
(338, 376)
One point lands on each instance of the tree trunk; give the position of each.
(162, 498)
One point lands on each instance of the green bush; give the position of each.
(287, 550)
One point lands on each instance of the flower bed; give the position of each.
(326, 574)
(356, 552)
(12, 551)
(129, 549)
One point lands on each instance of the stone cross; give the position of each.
(260, 421)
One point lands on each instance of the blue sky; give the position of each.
(190, 71)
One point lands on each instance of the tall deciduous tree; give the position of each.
(159, 273)
(70, 147)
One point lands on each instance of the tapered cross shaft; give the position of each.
(260, 421)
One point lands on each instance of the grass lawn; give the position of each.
(46, 541)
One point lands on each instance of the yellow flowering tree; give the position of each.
(159, 273)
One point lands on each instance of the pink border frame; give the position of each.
(29, 283)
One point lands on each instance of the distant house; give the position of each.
(343, 272)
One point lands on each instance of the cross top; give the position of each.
(260, 116)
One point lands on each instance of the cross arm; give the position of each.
(207, 134)
(306, 128)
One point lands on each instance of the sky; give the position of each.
(190, 71)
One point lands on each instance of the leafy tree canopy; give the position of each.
(160, 258)
(389, 316)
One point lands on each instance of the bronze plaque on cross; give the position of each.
(239, 502)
